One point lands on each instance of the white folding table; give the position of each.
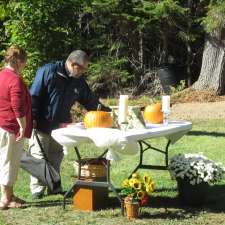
(116, 142)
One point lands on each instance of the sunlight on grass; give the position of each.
(207, 137)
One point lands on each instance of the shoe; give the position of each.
(37, 195)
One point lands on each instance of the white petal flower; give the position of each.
(196, 167)
(192, 182)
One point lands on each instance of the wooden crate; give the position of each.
(92, 169)
(90, 198)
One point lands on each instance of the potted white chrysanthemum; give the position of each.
(194, 173)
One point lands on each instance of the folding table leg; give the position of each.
(67, 193)
(118, 197)
(165, 152)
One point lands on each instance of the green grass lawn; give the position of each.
(164, 207)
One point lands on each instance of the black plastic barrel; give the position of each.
(167, 78)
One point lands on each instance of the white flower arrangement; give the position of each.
(196, 168)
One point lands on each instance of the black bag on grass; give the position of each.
(41, 169)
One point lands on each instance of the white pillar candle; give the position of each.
(123, 109)
(166, 103)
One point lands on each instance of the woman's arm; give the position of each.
(22, 123)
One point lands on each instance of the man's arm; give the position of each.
(38, 89)
(90, 101)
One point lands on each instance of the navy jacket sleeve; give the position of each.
(38, 89)
(90, 101)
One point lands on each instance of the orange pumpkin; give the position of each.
(98, 119)
(153, 113)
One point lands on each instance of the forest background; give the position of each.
(128, 41)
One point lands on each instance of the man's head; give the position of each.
(77, 62)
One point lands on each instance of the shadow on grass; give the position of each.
(165, 207)
(216, 199)
(160, 206)
(169, 214)
(205, 133)
(47, 203)
(166, 190)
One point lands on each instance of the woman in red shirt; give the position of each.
(15, 123)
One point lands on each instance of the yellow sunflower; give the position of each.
(140, 194)
(131, 182)
(135, 176)
(150, 188)
(125, 183)
(146, 179)
(136, 184)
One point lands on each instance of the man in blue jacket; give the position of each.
(56, 87)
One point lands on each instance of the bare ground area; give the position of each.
(199, 111)
(191, 105)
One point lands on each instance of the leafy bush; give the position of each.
(108, 76)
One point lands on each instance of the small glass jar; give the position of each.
(166, 115)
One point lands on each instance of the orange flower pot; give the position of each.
(132, 209)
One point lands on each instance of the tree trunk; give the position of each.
(188, 62)
(188, 45)
(141, 50)
(164, 55)
(212, 75)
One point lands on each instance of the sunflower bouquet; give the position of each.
(138, 188)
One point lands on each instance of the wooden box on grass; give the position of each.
(94, 169)
(90, 198)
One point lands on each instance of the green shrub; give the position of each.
(108, 76)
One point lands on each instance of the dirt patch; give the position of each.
(190, 95)
(198, 111)
(190, 104)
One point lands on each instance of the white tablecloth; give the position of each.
(118, 141)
